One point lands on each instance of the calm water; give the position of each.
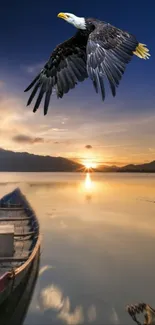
(98, 245)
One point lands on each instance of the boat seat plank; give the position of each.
(24, 239)
(12, 209)
(14, 219)
(30, 233)
(6, 205)
(13, 259)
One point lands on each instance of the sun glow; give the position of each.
(89, 164)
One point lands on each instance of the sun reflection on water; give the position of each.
(89, 184)
(88, 187)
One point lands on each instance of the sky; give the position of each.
(119, 130)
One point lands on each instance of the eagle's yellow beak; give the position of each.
(62, 15)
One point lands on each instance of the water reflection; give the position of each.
(145, 311)
(98, 236)
(45, 268)
(88, 187)
(61, 309)
(88, 183)
(52, 298)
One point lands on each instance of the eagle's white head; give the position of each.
(78, 22)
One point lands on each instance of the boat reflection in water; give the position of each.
(14, 309)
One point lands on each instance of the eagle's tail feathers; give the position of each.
(142, 51)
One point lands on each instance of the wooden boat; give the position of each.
(14, 309)
(15, 210)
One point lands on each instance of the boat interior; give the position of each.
(25, 234)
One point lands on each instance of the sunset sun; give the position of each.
(89, 164)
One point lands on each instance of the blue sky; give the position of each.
(119, 130)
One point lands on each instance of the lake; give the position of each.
(98, 244)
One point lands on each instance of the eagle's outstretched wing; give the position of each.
(109, 49)
(65, 67)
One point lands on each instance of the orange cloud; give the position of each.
(88, 146)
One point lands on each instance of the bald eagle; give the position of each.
(97, 50)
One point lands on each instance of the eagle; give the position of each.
(98, 50)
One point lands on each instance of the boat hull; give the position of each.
(14, 308)
(16, 204)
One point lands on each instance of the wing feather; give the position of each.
(109, 50)
(47, 97)
(33, 93)
(64, 69)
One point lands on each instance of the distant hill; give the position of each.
(148, 167)
(11, 161)
(144, 168)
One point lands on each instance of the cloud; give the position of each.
(21, 138)
(88, 146)
(121, 137)
(69, 142)
(152, 150)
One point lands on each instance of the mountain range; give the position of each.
(131, 168)
(11, 161)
